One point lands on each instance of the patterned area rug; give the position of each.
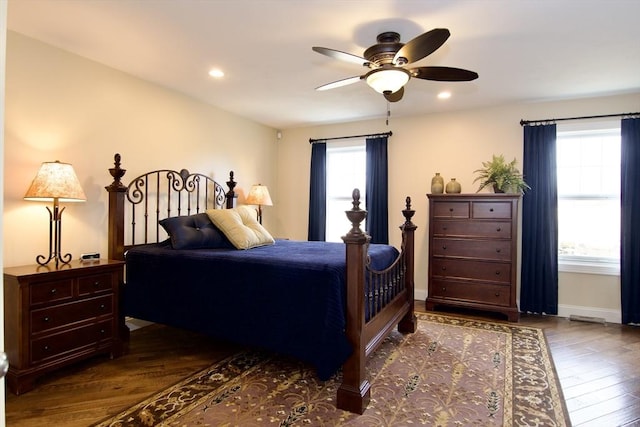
(451, 372)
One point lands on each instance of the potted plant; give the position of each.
(503, 177)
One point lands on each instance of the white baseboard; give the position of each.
(609, 315)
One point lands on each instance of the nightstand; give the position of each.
(55, 317)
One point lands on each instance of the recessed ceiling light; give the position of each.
(444, 95)
(216, 73)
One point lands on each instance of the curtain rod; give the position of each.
(312, 141)
(533, 122)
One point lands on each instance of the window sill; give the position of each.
(609, 269)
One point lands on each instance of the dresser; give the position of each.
(55, 317)
(473, 252)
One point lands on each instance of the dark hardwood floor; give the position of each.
(598, 366)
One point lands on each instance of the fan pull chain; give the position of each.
(388, 112)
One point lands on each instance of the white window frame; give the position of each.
(584, 264)
(344, 196)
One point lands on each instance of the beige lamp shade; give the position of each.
(259, 195)
(55, 180)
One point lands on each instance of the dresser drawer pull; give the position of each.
(46, 348)
(102, 306)
(53, 291)
(102, 331)
(46, 319)
(96, 284)
(490, 209)
(444, 268)
(497, 294)
(498, 250)
(498, 229)
(497, 272)
(450, 209)
(444, 247)
(444, 289)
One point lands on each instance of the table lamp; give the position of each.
(259, 195)
(55, 182)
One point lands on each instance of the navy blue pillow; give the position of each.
(194, 232)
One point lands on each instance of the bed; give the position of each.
(328, 304)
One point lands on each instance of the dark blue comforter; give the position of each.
(288, 297)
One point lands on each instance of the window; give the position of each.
(588, 163)
(346, 170)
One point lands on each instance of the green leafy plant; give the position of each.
(502, 176)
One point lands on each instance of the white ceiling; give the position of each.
(523, 50)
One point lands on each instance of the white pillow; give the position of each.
(241, 227)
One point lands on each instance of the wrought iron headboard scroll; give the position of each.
(156, 195)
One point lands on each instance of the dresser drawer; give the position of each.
(50, 292)
(54, 346)
(49, 318)
(472, 270)
(451, 210)
(491, 210)
(89, 285)
(491, 229)
(471, 292)
(499, 250)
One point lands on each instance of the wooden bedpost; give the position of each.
(354, 393)
(231, 194)
(409, 323)
(117, 192)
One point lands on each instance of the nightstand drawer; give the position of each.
(94, 284)
(49, 318)
(49, 292)
(54, 346)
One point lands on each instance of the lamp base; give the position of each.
(55, 234)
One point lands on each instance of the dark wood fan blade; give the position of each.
(421, 46)
(340, 83)
(342, 56)
(395, 96)
(443, 74)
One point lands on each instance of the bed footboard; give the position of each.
(377, 301)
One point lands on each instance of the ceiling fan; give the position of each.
(386, 61)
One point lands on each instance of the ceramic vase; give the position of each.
(437, 184)
(453, 186)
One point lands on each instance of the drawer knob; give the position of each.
(444, 289)
(53, 291)
(490, 209)
(497, 272)
(498, 250)
(46, 348)
(498, 229)
(101, 306)
(497, 294)
(96, 283)
(444, 268)
(450, 209)
(46, 319)
(102, 331)
(444, 247)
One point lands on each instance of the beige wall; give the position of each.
(453, 144)
(63, 107)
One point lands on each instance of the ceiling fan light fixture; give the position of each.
(387, 79)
